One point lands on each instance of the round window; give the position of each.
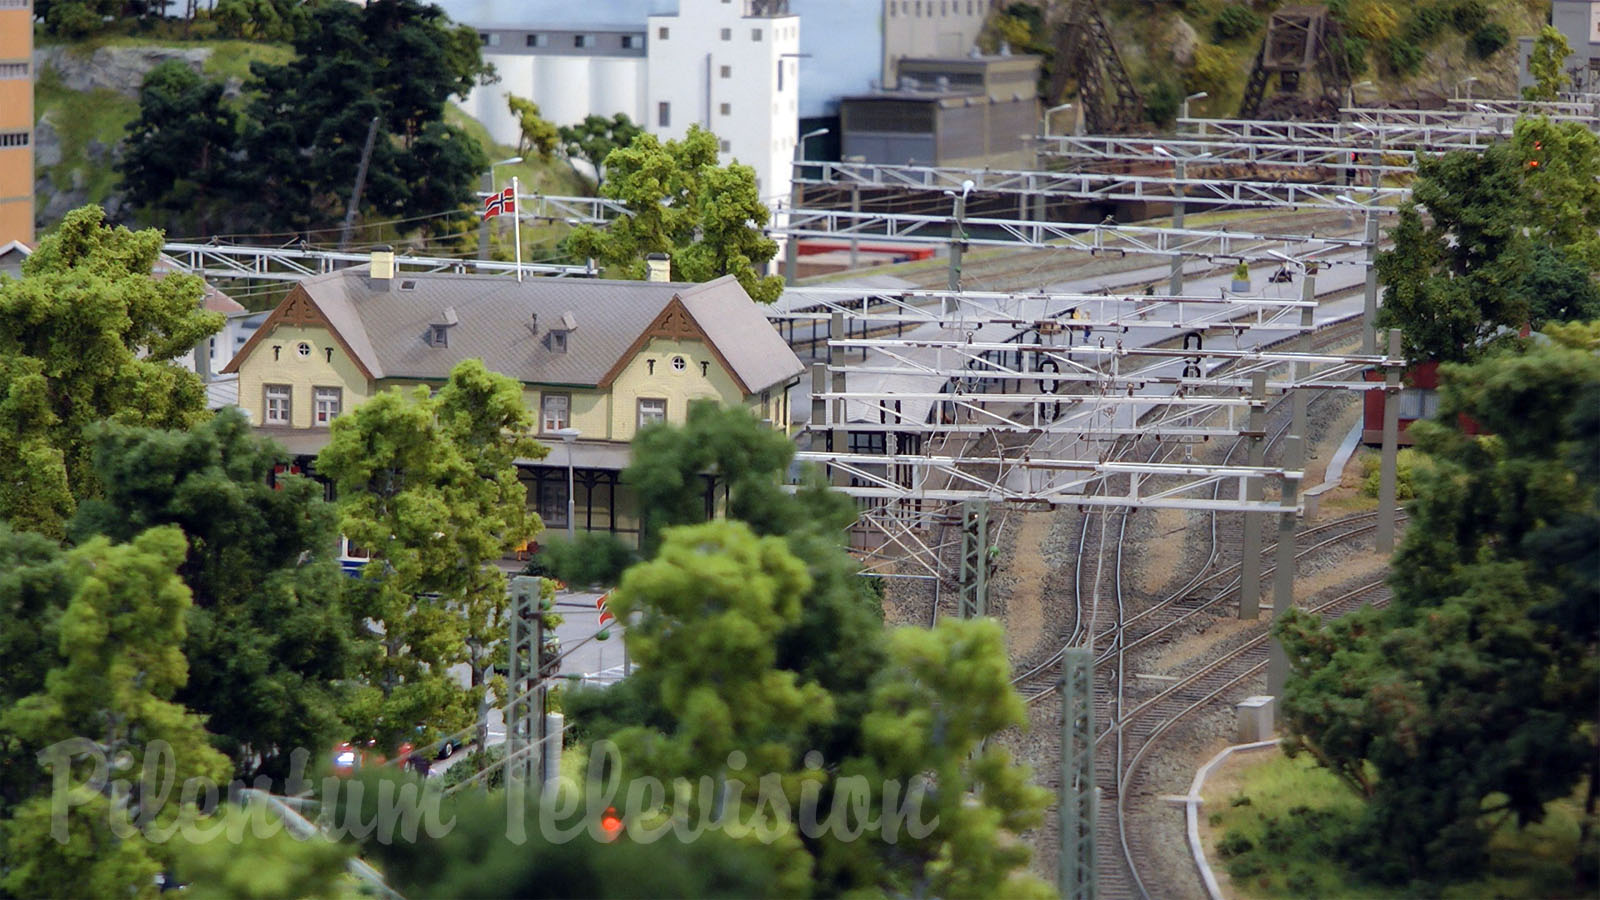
(304, 350)
(679, 364)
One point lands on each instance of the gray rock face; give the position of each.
(46, 144)
(120, 69)
(1182, 40)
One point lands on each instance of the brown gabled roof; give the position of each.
(386, 331)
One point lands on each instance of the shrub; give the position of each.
(1234, 844)
(1234, 21)
(1212, 70)
(1245, 867)
(1488, 40)
(474, 763)
(1404, 57)
(593, 557)
(1468, 16)
(1162, 97)
(1406, 465)
(1372, 20)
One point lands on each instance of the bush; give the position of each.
(1234, 21)
(594, 557)
(1246, 867)
(1468, 16)
(1162, 98)
(473, 764)
(1488, 40)
(1372, 20)
(1233, 844)
(1212, 71)
(1404, 57)
(1406, 465)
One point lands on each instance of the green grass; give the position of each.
(1280, 837)
(81, 117)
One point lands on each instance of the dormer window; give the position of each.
(439, 328)
(558, 341)
(564, 326)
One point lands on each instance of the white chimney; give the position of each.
(659, 267)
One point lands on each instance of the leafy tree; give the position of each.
(87, 335)
(591, 557)
(680, 202)
(179, 163)
(1546, 64)
(1480, 679)
(1509, 239)
(267, 639)
(262, 20)
(593, 139)
(75, 18)
(538, 135)
(428, 485)
(264, 866)
(306, 125)
(118, 664)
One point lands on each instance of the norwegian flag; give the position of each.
(502, 203)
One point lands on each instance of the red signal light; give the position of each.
(610, 824)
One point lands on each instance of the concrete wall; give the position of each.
(300, 373)
(928, 28)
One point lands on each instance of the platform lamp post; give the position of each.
(791, 245)
(569, 436)
(958, 241)
(1183, 110)
(488, 188)
(1050, 113)
(1465, 83)
(1180, 171)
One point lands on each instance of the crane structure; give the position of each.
(1086, 54)
(1300, 42)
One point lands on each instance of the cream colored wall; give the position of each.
(588, 410)
(677, 388)
(300, 374)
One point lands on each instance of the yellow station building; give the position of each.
(604, 357)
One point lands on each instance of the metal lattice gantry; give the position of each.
(1091, 238)
(1356, 155)
(300, 263)
(1092, 185)
(1076, 866)
(1479, 115)
(1027, 409)
(1585, 105)
(1432, 137)
(1086, 53)
(571, 210)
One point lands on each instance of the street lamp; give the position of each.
(958, 234)
(488, 188)
(1051, 112)
(1466, 83)
(1183, 112)
(791, 244)
(569, 436)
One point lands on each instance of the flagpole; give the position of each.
(516, 224)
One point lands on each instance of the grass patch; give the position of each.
(80, 118)
(1282, 833)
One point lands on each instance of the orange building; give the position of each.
(16, 121)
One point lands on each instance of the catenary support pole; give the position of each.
(1369, 304)
(1175, 278)
(958, 242)
(1283, 580)
(1391, 437)
(836, 419)
(361, 181)
(855, 242)
(1301, 400)
(1075, 871)
(1250, 561)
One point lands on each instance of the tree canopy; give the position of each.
(1480, 680)
(707, 218)
(427, 485)
(88, 335)
(593, 139)
(1546, 63)
(1496, 240)
(537, 134)
(179, 164)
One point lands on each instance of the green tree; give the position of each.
(178, 163)
(306, 124)
(1508, 240)
(109, 691)
(537, 134)
(261, 20)
(428, 485)
(264, 866)
(593, 139)
(267, 638)
(680, 202)
(1547, 65)
(1479, 681)
(88, 335)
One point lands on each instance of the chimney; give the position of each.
(659, 267)
(382, 267)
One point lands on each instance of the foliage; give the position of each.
(1211, 71)
(1373, 20)
(179, 165)
(267, 640)
(117, 665)
(680, 202)
(591, 558)
(262, 20)
(1406, 464)
(87, 335)
(593, 139)
(1488, 40)
(1547, 65)
(1479, 681)
(263, 866)
(1235, 21)
(537, 134)
(1509, 240)
(428, 486)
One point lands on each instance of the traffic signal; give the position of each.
(610, 824)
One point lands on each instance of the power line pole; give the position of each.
(974, 558)
(361, 181)
(1250, 561)
(1076, 879)
(1391, 437)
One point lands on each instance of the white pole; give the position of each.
(516, 223)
